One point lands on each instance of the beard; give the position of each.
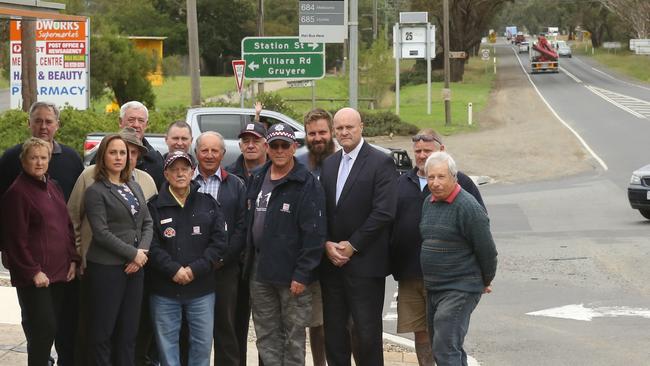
(319, 152)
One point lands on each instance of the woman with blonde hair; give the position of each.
(40, 248)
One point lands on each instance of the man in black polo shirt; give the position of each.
(65, 167)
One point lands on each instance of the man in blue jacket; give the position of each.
(406, 242)
(286, 234)
(188, 244)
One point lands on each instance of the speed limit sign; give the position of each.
(485, 54)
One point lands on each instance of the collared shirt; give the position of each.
(56, 148)
(180, 203)
(353, 157)
(452, 195)
(211, 184)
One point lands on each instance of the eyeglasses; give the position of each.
(276, 145)
(426, 138)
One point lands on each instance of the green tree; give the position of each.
(377, 69)
(120, 68)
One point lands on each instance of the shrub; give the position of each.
(274, 102)
(385, 123)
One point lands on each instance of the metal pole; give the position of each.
(193, 35)
(375, 28)
(260, 32)
(428, 56)
(445, 12)
(354, 53)
(398, 54)
(313, 94)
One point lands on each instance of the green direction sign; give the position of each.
(282, 58)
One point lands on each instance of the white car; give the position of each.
(563, 49)
(523, 46)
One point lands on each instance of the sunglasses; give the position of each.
(276, 145)
(426, 138)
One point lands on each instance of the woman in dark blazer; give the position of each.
(122, 231)
(39, 249)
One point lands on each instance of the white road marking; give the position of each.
(582, 141)
(580, 312)
(622, 81)
(570, 75)
(471, 361)
(624, 102)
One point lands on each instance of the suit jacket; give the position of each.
(364, 213)
(117, 235)
(77, 210)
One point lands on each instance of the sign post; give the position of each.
(323, 21)
(413, 37)
(238, 67)
(62, 64)
(282, 58)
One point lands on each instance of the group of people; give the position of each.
(149, 259)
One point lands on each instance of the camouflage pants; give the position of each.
(280, 320)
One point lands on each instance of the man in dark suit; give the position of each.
(360, 186)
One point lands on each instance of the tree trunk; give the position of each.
(28, 64)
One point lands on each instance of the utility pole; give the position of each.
(260, 33)
(446, 92)
(193, 41)
(354, 53)
(28, 64)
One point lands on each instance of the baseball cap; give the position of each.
(173, 156)
(281, 131)
(254, 128)
(129, 135)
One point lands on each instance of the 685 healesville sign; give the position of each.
(282, 58)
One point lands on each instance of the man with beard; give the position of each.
(319, 130)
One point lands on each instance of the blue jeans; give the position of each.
(166, 314)
(448, 314)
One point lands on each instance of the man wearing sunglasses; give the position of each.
(406, 242)
(286, 233)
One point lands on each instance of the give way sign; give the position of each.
(238, 67)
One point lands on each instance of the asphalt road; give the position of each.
(573, 240)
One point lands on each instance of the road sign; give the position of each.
(238, 67)
(413, 41)
(485, 54)
(282, 58)
(322, 21)
(457, 54)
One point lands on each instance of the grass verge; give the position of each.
(413, 104)
(623, 61)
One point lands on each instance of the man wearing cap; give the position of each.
(136, 115)
(253, 147)
(406, 242)
(230, 191)
(189, 242)
(64, 168)
(286, 233)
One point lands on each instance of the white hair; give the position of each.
(133, 105)
(212, 133)
(441, 157)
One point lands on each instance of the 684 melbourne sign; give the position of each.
(282, 58)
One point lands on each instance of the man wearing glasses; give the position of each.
(406, 242)
(286, 233)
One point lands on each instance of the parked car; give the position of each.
(563, 49)
(638, 191)
(229, 122)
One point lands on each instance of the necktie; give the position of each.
(343, 175)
